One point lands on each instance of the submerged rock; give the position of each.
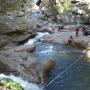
(48, 66)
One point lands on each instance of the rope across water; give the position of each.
(64, 70)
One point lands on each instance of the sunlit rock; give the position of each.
(88, 53)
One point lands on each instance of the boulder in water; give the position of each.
(48, 66)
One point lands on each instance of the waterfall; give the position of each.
(39, 36)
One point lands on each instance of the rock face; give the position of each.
(16, 30)
(26, 66)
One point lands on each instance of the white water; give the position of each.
(25, 84)
(50, 50)
(39, 35)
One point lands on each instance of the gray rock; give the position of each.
(4, 28)
(45, 29)
(26, 65)
(27, 48)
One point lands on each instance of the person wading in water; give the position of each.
(77, 32)
(70, 40)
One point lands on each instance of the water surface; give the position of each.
(76, 78)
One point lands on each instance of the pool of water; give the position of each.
(76, 78)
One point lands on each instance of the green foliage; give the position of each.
(10, 84)
(64, 7)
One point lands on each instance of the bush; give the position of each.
(8, 84)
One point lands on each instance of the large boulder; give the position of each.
(16, 30)
(23, 63)
(10, 24)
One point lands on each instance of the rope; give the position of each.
(64, 71)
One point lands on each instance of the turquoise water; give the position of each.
(76, 78)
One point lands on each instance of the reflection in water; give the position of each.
(76, 78)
